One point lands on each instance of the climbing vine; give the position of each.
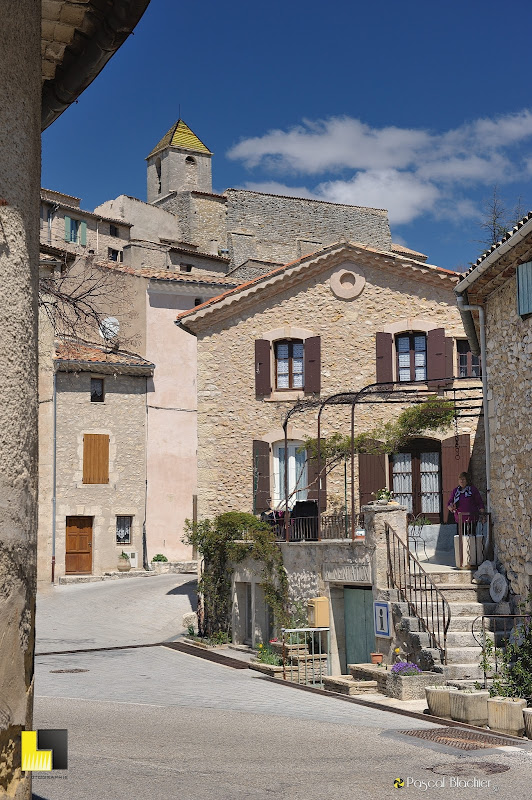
(223, 542)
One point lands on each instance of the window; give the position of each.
(524, 289)
(158, 171)
(185, 267)
(97, 390)
(95, 458)
(297, 473)
(114, 255)
(468, 364)
(289, 372)
(75, 231)
(411, 357)
(113, 230)
(123, 530)
(189, 160)
(198, 301)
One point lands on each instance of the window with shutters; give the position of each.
(95, 458)
(411, 351)
(289, 365)
(295, 461)
(468, 365)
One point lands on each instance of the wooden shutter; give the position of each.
(68, 222)
(384, 358)
(436, 366)
(313, 364)
(312, 480)
(263, 380)
(455, 458)
(83, 233)
(95, 458)
(449, 358)
(261, 476)
(524, 289)
(371, 475)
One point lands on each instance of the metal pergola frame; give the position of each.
(408, 392)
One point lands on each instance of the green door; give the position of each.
(359, 630)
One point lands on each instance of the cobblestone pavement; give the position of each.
(112, 613)
(157, 723)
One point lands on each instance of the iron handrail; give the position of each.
(500, 636)
(425, 601)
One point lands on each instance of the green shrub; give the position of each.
(159, 557)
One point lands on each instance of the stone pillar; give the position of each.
(375, 519)
(20, 104)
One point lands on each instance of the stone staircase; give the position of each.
(466, 602)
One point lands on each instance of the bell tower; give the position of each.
(180, 162)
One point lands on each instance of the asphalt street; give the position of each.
(153, 722)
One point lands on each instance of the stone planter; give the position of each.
(469, 707)
(505, 715)
(411, 687)
(267, 669)
(438, 701)
(277, 648)
(124, 565)
(527, 719)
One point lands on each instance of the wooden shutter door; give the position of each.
(263, 381)
(384, 358)
(312, 480)
(95, 458)
(83, 233)
(67, 229)
(436, 361)
(371, 475)
(313, 364)
(449, 358)
(261, 476)
(451, 466)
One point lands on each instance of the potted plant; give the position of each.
(376, 658)
(124, 564)
(383, 496)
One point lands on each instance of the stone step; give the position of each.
(464, 655)
(457, 576)
(464, 638)
(346, 684)
(463, 671)
(460, 593)
(471, 609)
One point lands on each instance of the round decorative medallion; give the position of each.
(347, 284)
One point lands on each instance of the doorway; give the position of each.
(415, 478)
(78, 557)
(359, 629)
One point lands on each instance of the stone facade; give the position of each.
(230, 416)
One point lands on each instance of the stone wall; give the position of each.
(230, 416)
(99, 239)
(509, 354)
(272, 228)
(123, 417)
(149, 223)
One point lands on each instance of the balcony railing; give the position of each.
(332, 526)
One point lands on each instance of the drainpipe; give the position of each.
(463, 305)
(54, 465)
(145, 562)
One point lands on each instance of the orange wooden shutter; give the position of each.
(95, 458)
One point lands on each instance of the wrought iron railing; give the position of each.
(306, 529)
(425, 601)
(306, 654)
(493, 632)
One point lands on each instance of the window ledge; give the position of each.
(289, 395)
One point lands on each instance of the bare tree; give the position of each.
(495, 218)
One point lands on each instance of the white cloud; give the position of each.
(410, 172)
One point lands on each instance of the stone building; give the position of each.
(500, 285)
(337, 320)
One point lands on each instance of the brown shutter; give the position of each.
(455, 457)
(449, 357)
(261, 476)
(263, 381)
(436, 366)
(312, 480)
(384, 342)
(95, 458)
(313, 364)
(371, 475)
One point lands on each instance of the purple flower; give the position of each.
(405, 668)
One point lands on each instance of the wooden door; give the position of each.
(78, 557)
(359, 629)
(415, 477)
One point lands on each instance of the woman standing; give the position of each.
(466, 500)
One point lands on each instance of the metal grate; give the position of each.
(469, 768)
(461, 738)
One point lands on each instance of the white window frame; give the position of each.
(297, 474)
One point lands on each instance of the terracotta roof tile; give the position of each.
(210, 278)
(67, 350)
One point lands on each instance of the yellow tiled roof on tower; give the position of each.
(180, 135)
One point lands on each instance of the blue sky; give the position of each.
(417, 107)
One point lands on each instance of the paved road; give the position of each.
(153, 722)
(112, 613)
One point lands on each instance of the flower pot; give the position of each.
(505, 715)
(124, 564)
(376, 658)
(438, 701)
(527, 719)
(469, 707)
